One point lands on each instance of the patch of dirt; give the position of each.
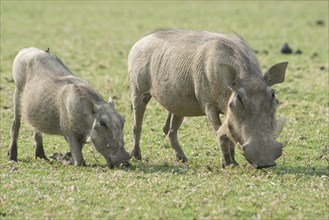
(65, 159)
(314, 55)
(298, 52)
(320, 22)
(322, 68)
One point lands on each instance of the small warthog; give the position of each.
(194, 73)
(54, 101)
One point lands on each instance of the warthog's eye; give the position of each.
(238, 96)
(273, 94)
(102, 122)
(274, 99)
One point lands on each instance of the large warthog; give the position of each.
(54, 101)
(195, 73)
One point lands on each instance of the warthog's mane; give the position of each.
(241, 56)
(82, 87)
(88, 91)
(239, 53)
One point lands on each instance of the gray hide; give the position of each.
(195, 73)
(54, 101)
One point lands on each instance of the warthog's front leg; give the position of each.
(227, 148)
(226, 145)
(38, 143)
(139, 102)
(12, 152)
(176, 122)
(76, 150)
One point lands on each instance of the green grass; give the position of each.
(93, 39)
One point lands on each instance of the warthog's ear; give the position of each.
(229, 75)
(111, 102)
(276, 74)
(87, 105)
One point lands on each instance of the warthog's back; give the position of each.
(180, 68)
(35, 63)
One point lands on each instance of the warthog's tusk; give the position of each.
(285, 143)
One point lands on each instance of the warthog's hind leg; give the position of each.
(166, 127)
(38, 143)
(12, 152)
(176, 122)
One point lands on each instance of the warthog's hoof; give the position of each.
(136, 154)
(39, 153)
(12, 157)
(182, 159)
(12, 154)
(234, 163)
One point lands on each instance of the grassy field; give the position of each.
(93, 39)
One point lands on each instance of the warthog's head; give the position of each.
(106, 133)
(251, 113)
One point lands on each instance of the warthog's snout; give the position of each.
(262, 157)
(119, 162)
